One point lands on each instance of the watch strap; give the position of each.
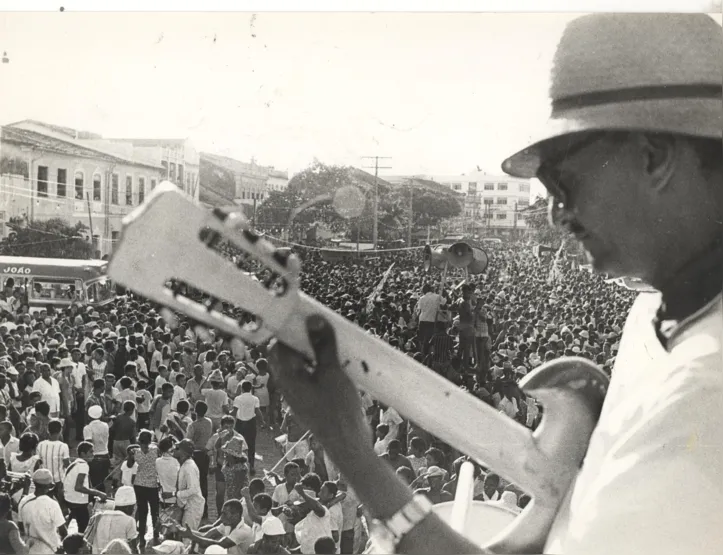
(402, 522)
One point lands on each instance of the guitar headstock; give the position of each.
(172, 240)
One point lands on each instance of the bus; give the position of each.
(58, 282)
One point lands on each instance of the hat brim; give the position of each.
(693, 117)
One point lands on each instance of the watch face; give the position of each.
(383, 541)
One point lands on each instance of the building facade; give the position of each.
(229, 181)
(493, 204)
(47, 174)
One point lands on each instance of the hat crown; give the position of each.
(610, 52)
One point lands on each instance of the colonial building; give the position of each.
(45, 172)
(227, 181)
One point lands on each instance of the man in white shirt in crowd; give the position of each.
(9, 441)
(76, 486)
(316, 522)
(188, 495)
(55, 454)
(233, 534)
(49, 390)
(248, 412)
(117, 523)
(41, 516)
(80, 385)
(97, 433)
(426, 311)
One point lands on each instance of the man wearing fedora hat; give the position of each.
(632, 157)
(41, 516)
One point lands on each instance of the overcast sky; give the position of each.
(439, 93)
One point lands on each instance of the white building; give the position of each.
(492, 202)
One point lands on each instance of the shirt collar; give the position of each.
(692, 293)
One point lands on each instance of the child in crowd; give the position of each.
(417, 448)
(129, 467)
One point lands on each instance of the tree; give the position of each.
(54, 238)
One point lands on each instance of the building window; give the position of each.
(129, 190)
(501, 216)
(96, 187)
(165, 167)
(141, 189)
(502, 200)
(62, 182)
(79, 185)
(114, 188)
(487, 215)
(153, 184)
(114, 236)
(502, 186)
(42, 181)
(524, 187)
(489, 186)
(489, 201)
(472, 185)
(456, 186)
(172, 173)
(523, 202)
(520, 217)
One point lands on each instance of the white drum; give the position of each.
(484, 522)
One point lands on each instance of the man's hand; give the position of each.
(323, 397)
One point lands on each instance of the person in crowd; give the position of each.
(146, 485)
(188, 494)
(115, 524)
(55, 456)
(271, 542)
(97, 432)
(167, 467)
(124, 430)
(129, 467)
(41, 516)
(10, 539)
(315, 521)
(394, 455)
(248, 417)
(77, 491)
(232, 534)
(27, 460)
(426, 312)
(235, 468)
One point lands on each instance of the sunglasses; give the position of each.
(552, 178)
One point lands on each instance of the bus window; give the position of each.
(100, 291)
(56, 289)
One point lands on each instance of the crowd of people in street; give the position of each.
(114, 421)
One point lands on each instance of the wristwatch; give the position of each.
(386, 535)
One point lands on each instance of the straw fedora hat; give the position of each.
(646, 72)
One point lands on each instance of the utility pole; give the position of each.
(90, 221)
(514, 229)
(411, 213)
(377, 167)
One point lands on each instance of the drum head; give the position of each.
(484, 521)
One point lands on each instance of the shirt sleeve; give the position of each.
(56, 515)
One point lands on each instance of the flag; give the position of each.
(378, 289)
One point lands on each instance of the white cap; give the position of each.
(273, 526)
(95, 412)
(216, 550)
(125, 496)
(170, 547)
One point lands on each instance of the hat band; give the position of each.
(661, 92)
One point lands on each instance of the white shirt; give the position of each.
(391, 418)
(49, 392)
(76, 468)
(53, 453)
(242, 536)
(77, 374)
(128, 473)
(311, 528)
(97, 433)
(12, 446)
(652, 480)
(428, 306)
(41, 518)
(113, 525)
(246, 405)
(167, 468)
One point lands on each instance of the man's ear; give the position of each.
(660, 155)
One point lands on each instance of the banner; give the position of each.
(378, 289)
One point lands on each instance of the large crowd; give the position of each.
(115, 421)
